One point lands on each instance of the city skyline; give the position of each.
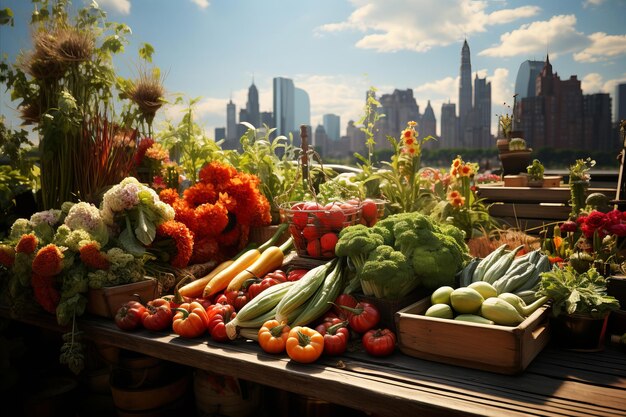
(336, 50)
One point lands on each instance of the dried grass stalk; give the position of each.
(481, 246)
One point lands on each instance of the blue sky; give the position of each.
(337, 49)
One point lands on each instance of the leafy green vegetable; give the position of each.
(572, 292)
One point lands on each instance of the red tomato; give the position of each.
(336, 338)
(314, 248)
(296, 274)
(218, 318)
(158, 315)
(344, 300)
(259, 286)
(363, 317)
(204, 302)
(279, 275)
(237, 298)
(220, 298)
(328, 242)
(128, 317)
(311, 232)
(190, 320)
(380, 342)
(176, 300)
(369, 211)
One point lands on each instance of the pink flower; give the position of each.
(569, 226)
(618, 229)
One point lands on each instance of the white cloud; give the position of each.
(602, 47)
(121, 6)
(203, 4)
(591, 3)
(592, 83)
(393, 25)
(558, 35)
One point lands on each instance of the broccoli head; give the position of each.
(438, 262)
(356, 242)
(387, 273)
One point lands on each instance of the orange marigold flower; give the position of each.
(157, 152)
(183, 239)
(27, 244)
(200, 193)
(7, 255)
(211, 219)
(185, 214)
(46, 295)
(216, 173)
(48, 261)
(91, 256)
(457, 163)
(169, 196)
(227, 201)
(229, 238)
(206, 249)
(466, 170)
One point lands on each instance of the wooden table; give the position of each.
(557, 383)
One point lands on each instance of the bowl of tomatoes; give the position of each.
(315, 227)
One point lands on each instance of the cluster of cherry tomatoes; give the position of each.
(348, 319)
(315, 227)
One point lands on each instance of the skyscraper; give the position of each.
(526, 76)
(231, 121)
(621, 102)
(449, 127)
(302, 108)
(465, 96)
(252, 106)
(428, 124)
(482, 113)
(399, 108)
(331, 126)
(284, 105)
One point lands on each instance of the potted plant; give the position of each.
(517, 158)
(535, 174)
(580, 307)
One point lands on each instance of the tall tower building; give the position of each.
(252, 106)
(399, 108)
(449, 126)
(428, 124)
(482, 113)
(465, 95)
(526, 76)
(231, 121)
(302, 108)
(331, 126)
(284, 106)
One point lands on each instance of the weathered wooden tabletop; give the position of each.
(557, 382)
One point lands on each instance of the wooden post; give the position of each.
(305, 156)
(621, 180)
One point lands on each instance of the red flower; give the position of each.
(185, 214)
(27, 244)
(183, 239)
(613, 217)
(48, 261)
(46, 295)
(91, 256)
(618, 230)
(143, 146)
(7, 256)
(596, 220)
(569, 226)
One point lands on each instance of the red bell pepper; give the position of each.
(128, 317)
(296, 274)
(363, 317)
(219, 315)
(336, 336)
(344, 300)
(190, 320)
(158, 315)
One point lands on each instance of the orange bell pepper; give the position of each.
(273, 336)
(191, 320)
(304, 344)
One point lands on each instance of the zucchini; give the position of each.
(302, 290)
(486, 263)
(500, 312)
(499, 268)
(323, 297)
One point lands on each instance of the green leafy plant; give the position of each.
(272, 161)
(535, 170)
(572, 292)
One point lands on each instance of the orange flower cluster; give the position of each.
(219, 210)
(91, 256)
(456, 199)
(410, 144)
(183, 240)
(27, 244)
(461, 169)
(48, 261)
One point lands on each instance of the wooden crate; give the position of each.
(501, 349)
